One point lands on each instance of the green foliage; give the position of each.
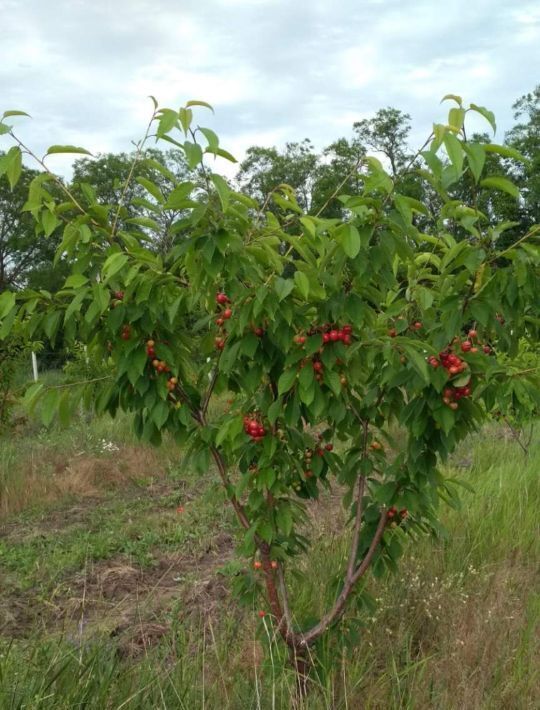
(327, 331)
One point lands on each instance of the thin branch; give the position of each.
(339, 606)
(49, 172)
(140, 146)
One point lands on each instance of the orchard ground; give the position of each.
(114, 594)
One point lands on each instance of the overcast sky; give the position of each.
(275, 70)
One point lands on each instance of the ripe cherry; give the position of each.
(454, 369)
(334, 335)
(257, 564)
(151, 352)
(417, 325)
(262, 614)
(486, 349)
(473, 333)
(329, 447)
(119, 295)
(219, 322)
(347, 329)
(259, 332)
(227, 313)
(219, 343)
(326, 337)
(318, 366)
(222, 299)
(466, 345)
(300, 339)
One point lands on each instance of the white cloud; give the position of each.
(274, 70)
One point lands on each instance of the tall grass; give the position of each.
(455, 628)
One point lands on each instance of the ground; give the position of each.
(113, 559)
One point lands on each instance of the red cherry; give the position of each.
(262, 614)
(334, 335)
(391, 513)
(347, 329)
(473, 333)
(318, 366)
(486, 349)
(300, 339)
(227, 313)
(257, 564)
(220, 343)
(221, 298)
(417, 325)
(119, 295)
(448, 392)
(150, 352)
(329, 447)
(454, 369)
(326, 338)
(259, 332)
(219, 322)
(346, 339)
(466, 345)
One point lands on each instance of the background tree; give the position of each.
(26, 258)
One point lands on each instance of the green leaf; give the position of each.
(55, 149)
(505, 151)
(177, 198)
(286, 381)
(283, 287)
(476, 158)
(211, 137)
(455, 151)
(168, 119)
(349, 238)
(501, 183)
(488, 115)
(113, 264)
(222, 154)
(7, 303)
(418, 361)
(13, 165)
(452, 97)
(302, 283)
(193, 154)
(195, 102)
(152, 188)
(456, 117)
(7, 114)
(223, 190)
(49, 405)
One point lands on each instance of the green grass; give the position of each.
(455, 628)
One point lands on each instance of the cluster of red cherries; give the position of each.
(160, 366)
(451, 395)
(224, 314)
(254, 428)
(395, 517)
(319, 451)
(330, 334)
